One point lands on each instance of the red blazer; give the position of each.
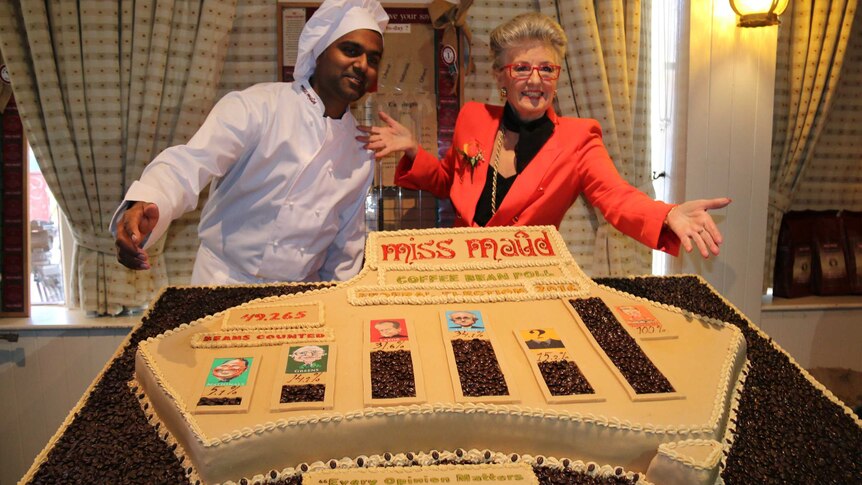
(573, 161)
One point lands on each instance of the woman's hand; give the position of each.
(390, 138)
(691, 222)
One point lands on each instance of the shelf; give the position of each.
(823, 303)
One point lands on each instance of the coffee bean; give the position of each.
(813, 441)
(786, 430)
(392, 374)
(478, 369)
(564, 378)
(303, 393)
(623, 350)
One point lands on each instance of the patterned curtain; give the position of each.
(102, 87)
(5, 88)
(812, 167)
(250, 59)
(605, 76)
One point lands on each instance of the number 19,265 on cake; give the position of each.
(454, 339)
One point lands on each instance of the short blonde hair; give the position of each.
(525, 28)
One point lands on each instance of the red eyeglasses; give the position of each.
(522, 70)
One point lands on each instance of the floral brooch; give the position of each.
(472, 153)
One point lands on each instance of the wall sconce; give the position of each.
(758, 13)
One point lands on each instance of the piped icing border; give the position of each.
(671, 451)
(477, 265)
(401, 459)
(730, 429)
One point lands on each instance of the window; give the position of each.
(664, 70)
(46, 258)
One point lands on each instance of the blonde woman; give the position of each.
(521, 164)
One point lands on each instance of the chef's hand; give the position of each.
(132, 229)
(691, 223)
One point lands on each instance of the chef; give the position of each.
(289, 180)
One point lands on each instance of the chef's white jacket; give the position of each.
(288, 196)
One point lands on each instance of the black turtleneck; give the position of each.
(532, 136)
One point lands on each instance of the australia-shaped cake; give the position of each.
(456, 339)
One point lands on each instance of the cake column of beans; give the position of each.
(478, 369)
(564, 378)
(303, 393)
(392, 374)
(620, 347)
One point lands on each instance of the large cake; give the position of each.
(448, 340)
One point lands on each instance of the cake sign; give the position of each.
(234, 338)
(264, 316)
(492, 246)
(511, 473)
(643, 323)
(522, 245)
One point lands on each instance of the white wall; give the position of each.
(42, 377)
(729, 136)
(728, 145)
(817, 337)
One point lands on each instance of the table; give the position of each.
(788, 429)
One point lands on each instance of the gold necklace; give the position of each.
(498, 147)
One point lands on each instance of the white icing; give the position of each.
(590, 425)
(674, 452)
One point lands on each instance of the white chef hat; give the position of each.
(330, 21)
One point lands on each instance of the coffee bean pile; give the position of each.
(392, 374)
(478, 368)
(621, 348)
(546, 475)
(302, 393)
(112, 418)
(564, 378)
(567, 476)
(219, 401)
(787, 431)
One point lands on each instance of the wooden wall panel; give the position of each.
(731, 82)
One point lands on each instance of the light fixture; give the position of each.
(758, 13)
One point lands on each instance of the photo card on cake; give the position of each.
(642, 324)
(464, 321)
(309, 358)
(305, 377)
(477, 373)
(228, 384)
(391, 368)
(388, 330)
(555, 369)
